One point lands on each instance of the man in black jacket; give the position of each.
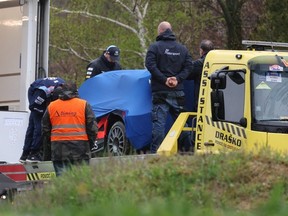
(169, 63)
(108, 61)
(196, 73)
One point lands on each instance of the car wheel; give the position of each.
(117, 143)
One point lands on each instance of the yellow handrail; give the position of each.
(169, 146)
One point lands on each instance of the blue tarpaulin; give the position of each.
(126, 90)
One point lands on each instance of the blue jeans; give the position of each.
(33, 138)
(163, 104)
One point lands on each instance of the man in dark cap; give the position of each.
(69, 130)
(108, 61)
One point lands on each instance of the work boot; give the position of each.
(34, 157)
(24, 156)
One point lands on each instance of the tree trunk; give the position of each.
(232, 14)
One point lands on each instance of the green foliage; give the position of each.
(83, 32)
(223, 184)
(273, 21)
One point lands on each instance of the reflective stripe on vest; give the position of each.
(68, 119)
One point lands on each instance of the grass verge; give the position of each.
(223, 184)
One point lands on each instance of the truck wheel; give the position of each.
(117, 143)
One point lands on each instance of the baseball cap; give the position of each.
(114, 52)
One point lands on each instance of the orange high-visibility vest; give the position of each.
(68, 119)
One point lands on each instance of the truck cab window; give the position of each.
(234, 94)
(270, 99)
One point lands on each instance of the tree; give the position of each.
(88, 27)
(85, 33)
(81, 30)
(232, 14)
(230, 11)
(272, 23)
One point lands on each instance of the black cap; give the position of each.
(114, 52)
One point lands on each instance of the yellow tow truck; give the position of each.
(243, 102)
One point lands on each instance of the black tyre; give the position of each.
(117, 143)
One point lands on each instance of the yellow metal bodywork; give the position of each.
(169, 145)
(219, 136)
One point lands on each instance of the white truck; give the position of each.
(24, 42)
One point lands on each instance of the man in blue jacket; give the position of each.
(40, 94)
(169, 63)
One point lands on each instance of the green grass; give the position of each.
(232, 184)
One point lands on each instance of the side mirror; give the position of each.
(217, 105)
(218, 81)
(236, 77)
(243, 122)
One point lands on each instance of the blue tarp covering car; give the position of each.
(125, 90)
